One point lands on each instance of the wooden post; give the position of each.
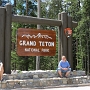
(38, 27)
(59, 40)
(8, 39)
(64, 20)
(2, 29)
(70, 53)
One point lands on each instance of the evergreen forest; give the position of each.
(80, 12)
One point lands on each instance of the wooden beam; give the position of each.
(41, 21)
(35, 20)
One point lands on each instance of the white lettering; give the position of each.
(41, 43)
(50, 44)
(45, 50)
(20, 42)
(27, 43)
(32, 50)
(27, 49)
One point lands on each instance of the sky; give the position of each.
(12, 1)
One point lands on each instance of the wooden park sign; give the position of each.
(33, 42)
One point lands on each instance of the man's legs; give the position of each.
(60, 73)
(68, 72)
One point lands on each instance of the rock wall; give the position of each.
(41, 79)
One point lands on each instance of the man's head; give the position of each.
(63, 58)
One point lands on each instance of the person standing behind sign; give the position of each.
(1, 70)
(64, 67)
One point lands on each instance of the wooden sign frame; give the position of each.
(34, 42)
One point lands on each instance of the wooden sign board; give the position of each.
(34, 42)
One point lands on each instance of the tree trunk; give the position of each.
(27, 7)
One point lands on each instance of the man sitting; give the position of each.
(64, 67)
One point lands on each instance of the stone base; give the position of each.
(41, 79)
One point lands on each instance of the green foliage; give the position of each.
(21, 63)
(17, 62)
(51, 8)
(86, 8)
(80, 12)
(82, 36)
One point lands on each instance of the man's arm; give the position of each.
(59, 65)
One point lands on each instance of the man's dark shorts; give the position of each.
(64, 71)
